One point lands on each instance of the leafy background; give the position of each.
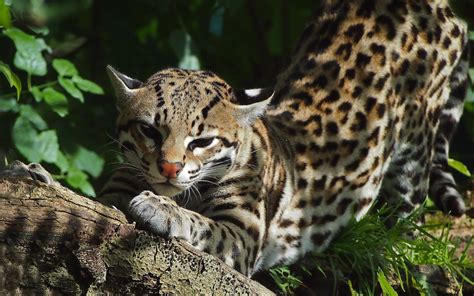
(66, 122)
(56, 104)
(64, 116)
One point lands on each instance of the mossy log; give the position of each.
(53, 241)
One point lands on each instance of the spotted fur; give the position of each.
(365, 110)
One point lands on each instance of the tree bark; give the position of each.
(53, 241)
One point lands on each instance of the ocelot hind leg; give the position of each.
(421, 167)
(443, 189)
(406, 182)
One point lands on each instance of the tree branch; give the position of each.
(53, 240)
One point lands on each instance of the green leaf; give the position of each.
(148, 31)
(7, 105)
(61, 162)
(87, 85)
(285, 280)
(33, 146)
(33, 64)
(420, 282)
(459, 166)
(39, 30)
(37, 94)
(471, 35)
(47, 145)
(69, 86)
(24, 137)
(87, 188)
(387, 289)
(5, 18)
(30, 114)
(64, 67)
(56, 100)
(353, 291)
(471, 74)
(469, 105)
(78, 179)
(28, 56)
(13, 80)
(428, 203)
(88, 161)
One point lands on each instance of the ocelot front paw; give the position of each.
(32, 171)
(159, 214)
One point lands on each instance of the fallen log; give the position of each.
(55, 241)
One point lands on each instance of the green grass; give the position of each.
(370, 254)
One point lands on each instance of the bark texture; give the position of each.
(53, 241)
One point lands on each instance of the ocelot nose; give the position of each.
(168, 169)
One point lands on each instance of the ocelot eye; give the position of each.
(200, 143)
(149, 131)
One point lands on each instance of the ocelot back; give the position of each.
(364, 111)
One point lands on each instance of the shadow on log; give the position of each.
(55, 241)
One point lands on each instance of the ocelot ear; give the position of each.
(251, 103)
(124, 86)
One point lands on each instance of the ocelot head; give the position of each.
(182, 128)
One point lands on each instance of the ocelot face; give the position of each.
(182, 129)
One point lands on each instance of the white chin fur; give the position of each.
(166, 189)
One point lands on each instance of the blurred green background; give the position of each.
(65, 114)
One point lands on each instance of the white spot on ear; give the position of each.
(253, 92)
(247, 114)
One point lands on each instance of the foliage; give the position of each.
(371, 253)
(49, 117)
(31, 133)
(286, 281)
(245, 42)
(459, 166)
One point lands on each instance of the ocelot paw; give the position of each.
(32, 171)
(159, 214)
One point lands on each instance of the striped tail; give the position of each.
(443, 189)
